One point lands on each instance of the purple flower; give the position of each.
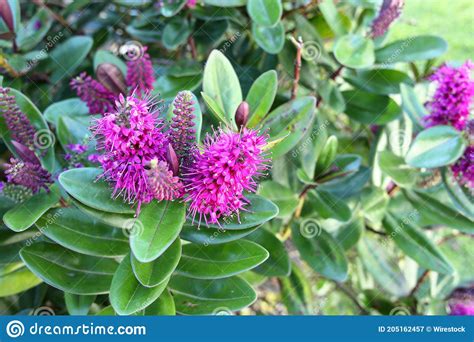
(130, 137)
(227, 167)
(389, 11)
(17, 122)
(37, 25)
(182, 134)
(463, 169)
(30, 175)
(99, 99)
(140, 73)
(161, 182)
(462, 309)
(77, 148)
(452, 99)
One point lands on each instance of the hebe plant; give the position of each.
(190, 152)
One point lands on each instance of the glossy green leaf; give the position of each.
(411, 49)
(258, 212)
(111, 219)
(82, 184)
(350, 233)
(171, 8)
(436, 146)
(414, 243)
(265, 12)
(163, 306)
(127, 295)
(379, 81)
(412, 106)
(225, 3)
(205, 297)
(156, 228)
(354, 51)
(153, 273)
(278, 262)
(221, 83)
(167, 87)
(176, 33)
(78, 305)
(104, 56)
(206, 236)
(396, 168)
(283, 197)
(16, 278)
(261, 96)
(72, 229)
(270, 39)
(220, 261)
(370, 108)
(459, 194)
(374, 204)
(439, 212)
(296, 292)
(25, 214)
(69, 107)
(333, 17)
(67, 270)
(310, 147)
(329, 206)
(29, 35)
(319, 249)
(327, 156)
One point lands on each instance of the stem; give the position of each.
(299, 47)
(418, 283)
(353, 297)
(192, 46)
(370, 229)
(59, 18)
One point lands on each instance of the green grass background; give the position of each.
(451, 19)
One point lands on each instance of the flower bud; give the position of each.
(111, 77)
(172, 160)
(7, 15)
(242, 114)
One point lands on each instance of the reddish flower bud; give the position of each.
(7, 15)
(111, 77)
(172, 160)
(242, 114)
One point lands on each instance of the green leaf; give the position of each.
(156, 228)
(221, 83)
(176, 33)
(329, 206)
(354, 51)
(153, 273)
(112, 219)
(67, 56)
(379, 81)
(278, 262)
(16, 278)
(205, 297)
(78, 305)
(270, 39)
(127, 295)
(261, 96)
(258, 212)
(439, 212)
(163, 306)
(370, 108)
(167, 87)
(70, 107)
(411, 50)
(412, 106)
(74, 130)
(319, 249)
(396, 168)
(25, 214)
(82, 184)
(69, 271)
(311, 146)
(436, 146)
(78, 232)
(332, 17)
(350, 233)
(169, 9)
(290, 121)
(213, 236)
(296, 292)
(327, 156)
(376, 260)
(225, 3)
(220, 261)
(459, 195)
(414, 243)
(104, 56)
(374, 204)
(283, 197)
(265, 12)
(29, 35)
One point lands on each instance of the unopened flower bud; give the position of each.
(111, 77)
(172, 160)
(242, 114)
(7, 15)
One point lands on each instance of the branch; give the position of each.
(419, 282)
(299, 47)
(353, 297)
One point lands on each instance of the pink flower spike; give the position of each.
(140, 73)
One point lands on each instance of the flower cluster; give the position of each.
(20, 127)
(139, 159)
(28, 174)
(140, 74)
(389, 11)
(98, 98)
(463, 169)
(220, 175)
(453, 96)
